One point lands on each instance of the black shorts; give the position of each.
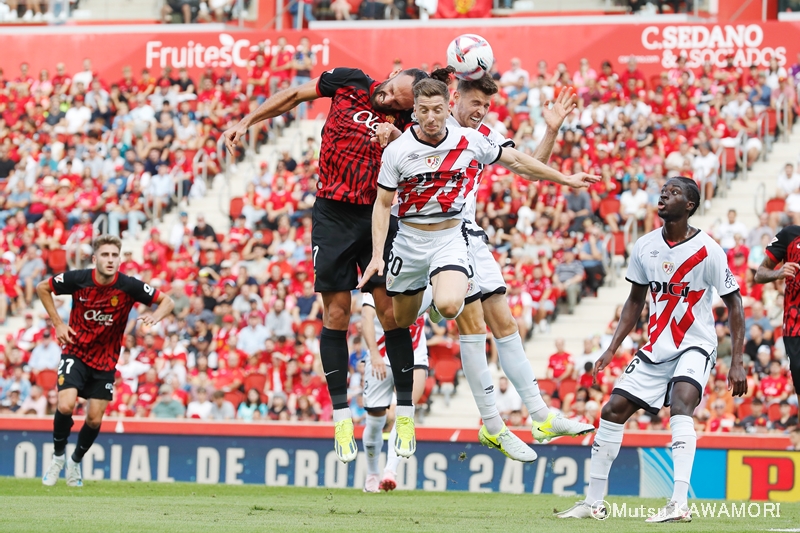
(341, 240)
(73, 373)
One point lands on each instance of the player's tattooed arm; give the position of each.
(737, 376)
(631, 312)
(767, 272)
(554, 117)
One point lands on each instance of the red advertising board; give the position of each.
(655, 46)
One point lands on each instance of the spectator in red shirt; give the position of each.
(774, 387)
(560, 365)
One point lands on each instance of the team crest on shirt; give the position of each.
(390, 119)
(433, 161)
(114, 300)
(668, 267)
(389, 281)
(60, 380)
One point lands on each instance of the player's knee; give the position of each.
(448, 307)
(337, 316)
(612, 413)
(66, 407)
(94, 421)
(682, 406)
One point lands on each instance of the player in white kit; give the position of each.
(428, 166)
(470, 105)
(379, 393)
(679, 266)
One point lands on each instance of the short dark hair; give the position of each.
(486, 85)
(428, 88)
(690, 190)
(441, 74)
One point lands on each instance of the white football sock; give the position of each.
(476, 370)
(427, 300)
(684, 445)
(405, 410)
(518, 369)
(341, 414)
(392, 459)
(373, 441)
(604, 450)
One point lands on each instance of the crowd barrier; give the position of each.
(742, 467)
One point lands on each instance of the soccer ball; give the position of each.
(471, 56)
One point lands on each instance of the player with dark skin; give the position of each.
(674, 208)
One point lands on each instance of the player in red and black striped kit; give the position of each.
(102, 299)
(363, 114)
(785, 248)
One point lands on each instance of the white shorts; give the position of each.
(649, 385)
(417, 255)
(379, 393)
(548, 305)
(487, 276)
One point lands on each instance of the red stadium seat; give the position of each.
(441, 352)
(775, 205)
(608, 206)
(430, 383)
(255, 381)
(57, 261)
(235, 397)
(568, 386)
(745, 409)
(47, 379)
(236, 206)
(446, 371)
(547, 386)
(774, 412)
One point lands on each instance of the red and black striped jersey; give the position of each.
(785, 247)
(100, 313)
(349, 163)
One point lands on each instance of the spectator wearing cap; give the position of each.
(166, 406)
(205, 234)
(46, 354)
(568, 278)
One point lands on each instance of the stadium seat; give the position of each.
(47, 379)
(236, 206)
(446, 375)
(547, 386)
(255, 381)
(774, 412)
(744, 410)
(57, 261)
(441, 352)
(568, 386)
(235, 397)
(608, 205)
(775, 205)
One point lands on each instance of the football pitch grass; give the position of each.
(108, 507)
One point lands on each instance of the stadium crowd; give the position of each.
(243, 341)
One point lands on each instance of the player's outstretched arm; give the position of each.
(165, 307)
(274, 106)
(368, 333)
(381, 212)
(737, 375)
(534, 170)
(63, 331)
(767, 272)
(631, 312)
(554, 117)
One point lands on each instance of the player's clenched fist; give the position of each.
(737, 380)
(788, 270)
(232, 136)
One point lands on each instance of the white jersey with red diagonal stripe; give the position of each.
(432, 181)
(417, 330)
(475, 170)
(680, 278)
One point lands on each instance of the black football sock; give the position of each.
(86, 438)
(62, 425)
(400, 351)
(334, 355)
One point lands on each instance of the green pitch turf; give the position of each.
(108, 507)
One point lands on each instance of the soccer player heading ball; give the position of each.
(102, 299)
(680, 266)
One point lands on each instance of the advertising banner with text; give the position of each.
(286, 455)
(656, 47)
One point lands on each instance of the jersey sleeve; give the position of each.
(334, 79)
(718, 274)
(776, 250)
(495, 137)
(67, 282)
(486, 150)
(636, 273)
(389, 176)
(140, 291)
